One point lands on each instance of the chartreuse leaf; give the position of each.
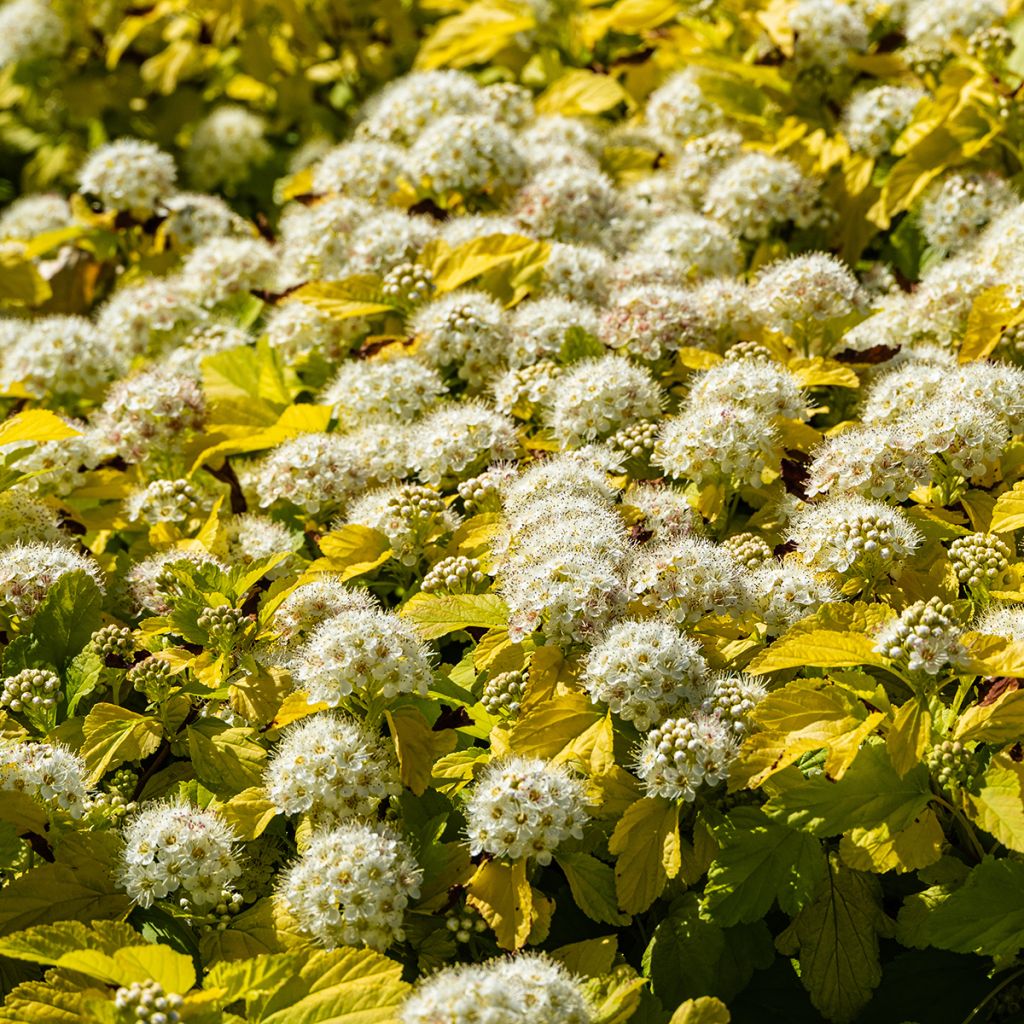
(881, 849)
(417, 746)
(1008, 513)
(909, 735)
(822, 648)
(253, 978)
(78, 886)
(592, 883)
(999, 722)
(475, 35)
(760, 862)
(21, 284)
(252, 933)
(138, 963)
(992, 311)
(436, 615)
(804, 715)
(546, 727)
(984, 916)
(705, 1010)
(689, 956)
(249, 812)
(342, 986)
(227, 759)
(871, 793)
(504, 898)
(59, 1000)
(490, 254)
(646, 837)
(248, 385)
(582, 92)
(358, 295)
(590, 958)
(352, 551)
(835, 937)
(67, 617)
(35, 425)
(47, 943)
(614, 996)
(114, 735)
(998, 805)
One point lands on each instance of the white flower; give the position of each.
(23, 517)
(577, 272)
(194, 217)
(409, 104)
(28, 571)
(827, 31)
(129, 175)
(854, 534)
(30, 30)
(314, 239)
(227, 146)
(954, 210)
(970, 438)
(458, 440)
(298, 330)
(175, 846)
(529, 988)
(651, 320)
(683, 755)
(251, 537)
(523, 808)
(644, 670)
(784, 593)
(147, 317)
(875, 461)
(686, 579)
(755, 194)
(407, 514)
(1002, 620)
(760, 385)
(679, 110)
(716, 441)
(37, 213)
(732, 698)
(351, 886)
(363, 652)
(333, 767)
(468, 154)
(221, 267)
(361, 170)
(875, 117)
(937, 20)
(698, 246)
(465, 332)
(569, 204)
(538, 328)
(903, 389)
(149, 586)
(597, 396)
(390, 237)
(925, 637)
(51, 774)
(667, 514)
(309, 604)
(163, 501)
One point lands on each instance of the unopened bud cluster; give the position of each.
(925, 637)
(503, 693)
(683, 755)
(147, 1001)
(31, 689)
(749, 550)
(953, 765)
(481, 493)
(153, 678)
(464, 924)
(979, 559)
(408, 284)
(222, 622)
(732, 699)
(217, 917)
(456, 575)
(113, 642)
(635, 441)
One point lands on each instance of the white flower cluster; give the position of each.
(524, 808)
(644, 671)
(46, 772)
(875, 117)
(30, 30)
(129, 175)
(925, 637)
(530, 988)
(332, 767)
(684, 755)
(28, 571)
(227, 145)
(351, 887)
(172, 847)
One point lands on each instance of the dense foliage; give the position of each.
(509, 512)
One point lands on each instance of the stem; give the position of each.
(965, 825)
(1011, 977)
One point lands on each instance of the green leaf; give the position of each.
(251, 933)
(996, 723)
(21, 284)
(582, 92)
(47, 943)
(882, 848)
(984, 916)
(614, 997)
(247, 385)
(227, 759)
(642, 837)
(249, 812)
(67, 617)
(255, 977)
(835, 938)
(592, 883)
(580, 344)
(358, 295)
(77, 887)
(870, 793)
(998, 806)
(82, 677)
(590, 958)
(909, 736)
(705, 1010)
(114, 735)
(418, 746)
(690, 957)
(436, 615)
(760, 861)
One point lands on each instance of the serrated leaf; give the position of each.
(883, 849)
(353, 550)
(35, 425)
(705, 1010)
(835, 938)
(614, 997)
(67, 617)
(47, 943)
(417, 746)
(227, 759)
(590, 958)
(909, 736)
(247, 385)
(249, 812)
(805, 715)
(821, 648)
(548, 727)
(580, 92)
(503, 896)
(114, 735)
(456, 267)
(358, 295)
(639, 843)
(760, 862)
(1008, 512)
(869, 794)
(436, 615)
(996, 723)
(998, 806)
(475, 35)
(985, 915)
(592, 883)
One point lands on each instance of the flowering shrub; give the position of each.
(509, 512)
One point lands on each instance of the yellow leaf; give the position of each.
(505, 900)
(418, 746)
(114, 735)
(1008, 513)
(296, 706)
(350, 297)
(453, 268)
(474, 36)
(909, 736)
(822, 648)
(352, 551)
(21, 284)
(249, 812)
(545, 729)
(298, 184)
(436, 615)
(705, 1010)
(997, 723)
(998, 807)
(805, 715)
(648, 829)
(697, 358)
(880, 849)
(992, 312)
(581, 92)
(820, 372)
(995, 655)
(35, 425)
